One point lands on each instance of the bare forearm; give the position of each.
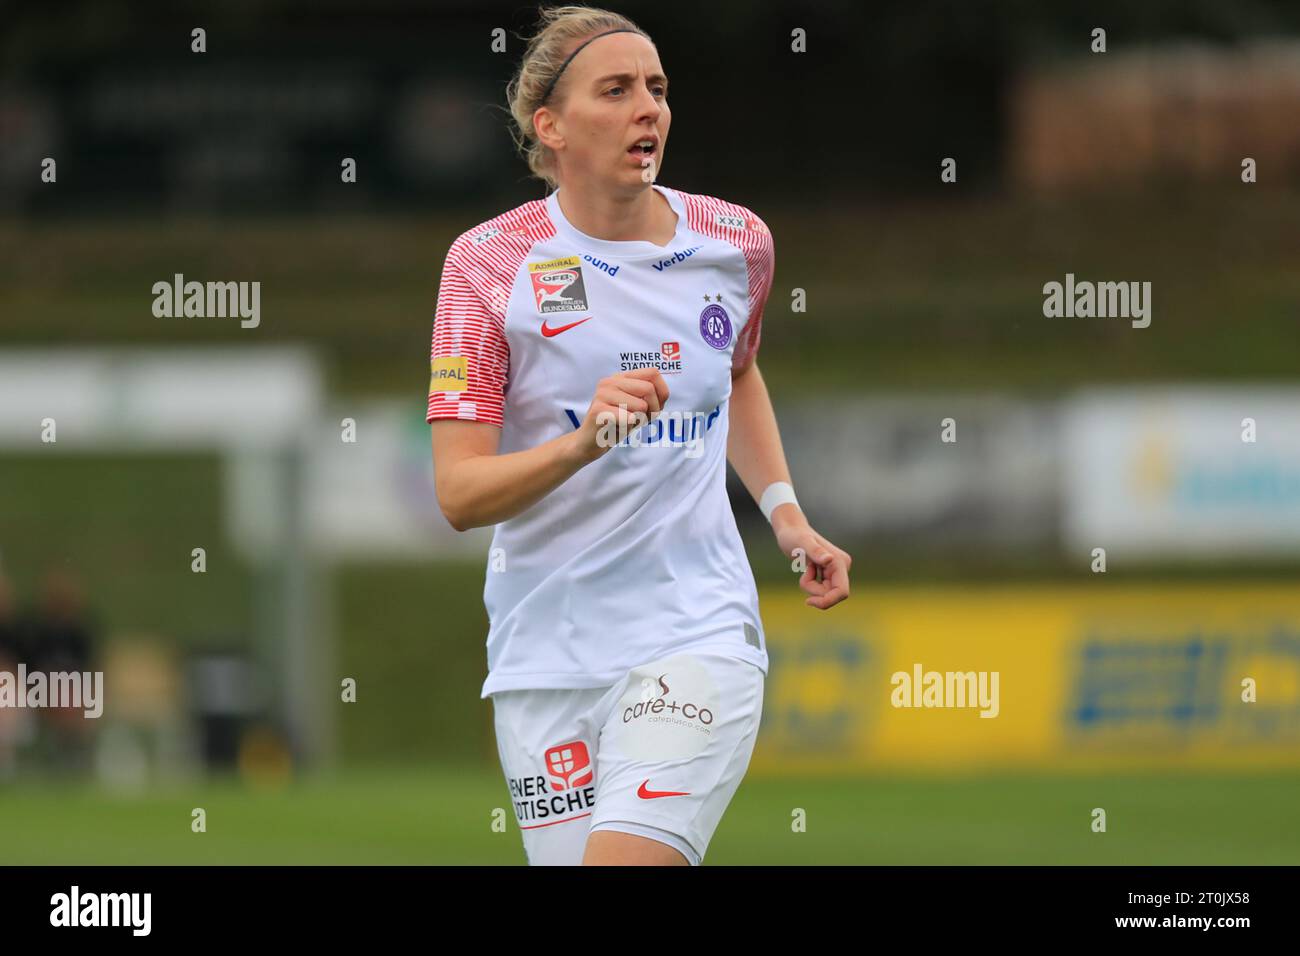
(477, 486)
(487, 489)
(754, 441)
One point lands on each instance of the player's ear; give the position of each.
(545, 124)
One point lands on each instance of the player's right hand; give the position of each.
(622, 403)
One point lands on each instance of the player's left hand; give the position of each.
(826, 576)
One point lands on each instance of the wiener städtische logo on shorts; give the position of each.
(558, 285)
(668, 710)
(569, 765)
(447, 374)
(566, 792)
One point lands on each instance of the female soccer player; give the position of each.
(593, 370)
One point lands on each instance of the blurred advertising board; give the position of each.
(928, 471)
(1193, 472)
(891, 475)
(1088, 678)
(370, 491)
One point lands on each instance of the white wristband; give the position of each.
(777, 493)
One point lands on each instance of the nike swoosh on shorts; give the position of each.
(647, 794)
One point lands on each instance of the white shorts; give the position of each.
(659, 754)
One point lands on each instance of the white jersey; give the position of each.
(636, 555)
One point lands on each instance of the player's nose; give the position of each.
(647, 104)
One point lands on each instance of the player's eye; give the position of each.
(662, 90)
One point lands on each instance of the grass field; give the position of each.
(444, 816)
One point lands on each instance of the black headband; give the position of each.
(556, 78)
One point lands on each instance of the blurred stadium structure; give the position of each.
(328, 559)
(253, 408)
(1182, 111)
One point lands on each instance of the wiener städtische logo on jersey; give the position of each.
(566, 792)
(447, 374)
(667, 360)
(558, 285)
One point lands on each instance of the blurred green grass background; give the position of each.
(443, 816)
(911, 296)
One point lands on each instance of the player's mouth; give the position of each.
(645, 147)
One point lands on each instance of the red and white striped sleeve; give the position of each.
(760, 262)
(470, 357)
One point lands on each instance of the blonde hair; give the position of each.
(547, 49)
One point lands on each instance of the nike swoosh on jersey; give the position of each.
(646, 794)
(548, 331)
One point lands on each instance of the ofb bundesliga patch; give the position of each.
(558, 286)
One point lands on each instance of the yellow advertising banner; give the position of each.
(1088, 678)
